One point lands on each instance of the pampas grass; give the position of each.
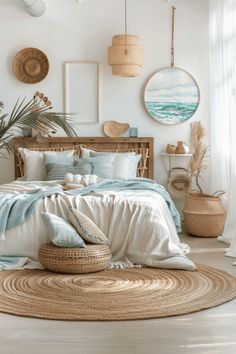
(200, 151)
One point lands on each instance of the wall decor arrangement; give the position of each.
(125, 56)
(171, 95)
(30, 65)
(112, 128)
(82, 91)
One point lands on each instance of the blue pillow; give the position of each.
(61, 233)
(101, 166)
(57, 172)
(60, 158)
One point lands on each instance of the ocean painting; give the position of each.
(171, 96)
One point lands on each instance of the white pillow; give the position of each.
(100, 153)
(34, 168)
(86, 153)
(125, 163)
(125, 167)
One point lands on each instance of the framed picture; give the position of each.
(171, 96)
(82, 91)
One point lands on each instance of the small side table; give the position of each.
(170, 157)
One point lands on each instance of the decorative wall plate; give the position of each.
(114, 129)
(171, 96)
(30, 65)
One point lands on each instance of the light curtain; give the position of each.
(223, 108)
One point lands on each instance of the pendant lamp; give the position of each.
(125, 55)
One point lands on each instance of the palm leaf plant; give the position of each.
(33, 115)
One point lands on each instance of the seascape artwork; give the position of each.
(171, 96)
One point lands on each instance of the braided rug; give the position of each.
(118, 294)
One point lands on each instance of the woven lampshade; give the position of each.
(125, 56)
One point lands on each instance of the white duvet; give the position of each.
(137, 223)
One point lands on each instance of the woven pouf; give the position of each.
(90, 259)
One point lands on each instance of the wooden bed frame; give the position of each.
(144, 146)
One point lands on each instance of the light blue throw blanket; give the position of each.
(16, 207)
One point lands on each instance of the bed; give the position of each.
(137, 215)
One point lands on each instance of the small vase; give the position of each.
(180, 148)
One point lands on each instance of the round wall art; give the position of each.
(30, 65)
(171, 96)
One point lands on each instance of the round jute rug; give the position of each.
(119, 294)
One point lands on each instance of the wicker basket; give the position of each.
(90, 259)
(204, 215)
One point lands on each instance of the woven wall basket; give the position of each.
(125, 56)
(30, 65)
(204, 215)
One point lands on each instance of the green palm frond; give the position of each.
(24, 115)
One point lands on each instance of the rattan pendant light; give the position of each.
(125, 55)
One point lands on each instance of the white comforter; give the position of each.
(137, 223)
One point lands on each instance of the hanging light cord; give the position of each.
(173, 37)
(126, 50)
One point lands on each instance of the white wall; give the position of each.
(73, 31)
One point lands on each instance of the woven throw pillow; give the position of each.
(87, 228)
(61, 233)
(57, 172)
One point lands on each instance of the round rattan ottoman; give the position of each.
(92, 258)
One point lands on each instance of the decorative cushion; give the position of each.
(125, 167)
(86, 153)
(34, 164)
(75, 260)
(102, 153)
(124, 164)
(61, 233)
(87, 228)
(64, 158)
(101, 166)
(57, 172)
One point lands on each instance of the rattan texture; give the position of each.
(204, 215)
(204, 225)
(125, 55)
(119, 294)
(92, 258)
(20, 160)
(30, 65)
(142, 166)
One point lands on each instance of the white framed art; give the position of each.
(171, 96)
(82, 91)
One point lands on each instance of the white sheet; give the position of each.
(137, 223)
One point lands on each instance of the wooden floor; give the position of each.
(211, 331)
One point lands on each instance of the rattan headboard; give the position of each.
(143, 146)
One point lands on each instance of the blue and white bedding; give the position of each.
(138, 217)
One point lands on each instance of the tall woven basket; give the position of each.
(204, 215)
